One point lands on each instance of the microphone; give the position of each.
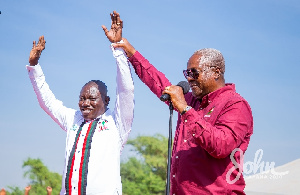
(185, 88)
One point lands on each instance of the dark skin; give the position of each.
(209, 80)
(93, 101)
(36, 51)
(114, 35)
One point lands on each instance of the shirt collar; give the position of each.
(207, 99)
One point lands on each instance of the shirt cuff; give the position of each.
(34, 71)
(117, 51)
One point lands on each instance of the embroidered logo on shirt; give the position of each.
(74, 127)
(209, 112)
(102, 125)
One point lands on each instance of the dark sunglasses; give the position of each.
(192, 73)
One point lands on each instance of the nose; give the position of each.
(86, 102)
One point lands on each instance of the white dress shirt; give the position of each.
(95, 167)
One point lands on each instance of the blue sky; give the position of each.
(259, 40)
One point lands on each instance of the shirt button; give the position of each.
(185, 140)
(185, 120)
(193, 134)
(176, 156)
(173, 175)
(74, 188)
(78, 151)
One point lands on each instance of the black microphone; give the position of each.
(185, 88)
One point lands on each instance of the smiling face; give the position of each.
(204, 72)
(92, 101)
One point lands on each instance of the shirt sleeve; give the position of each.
(53, 107)
(154, 79)
(124, 105)
(231, 129)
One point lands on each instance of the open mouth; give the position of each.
(85, 111)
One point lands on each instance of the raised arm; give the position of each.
(124, 104)
(154, 79)
(49, 190)
(27, 189)
(53, 107)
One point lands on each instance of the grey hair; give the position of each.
(211, 57)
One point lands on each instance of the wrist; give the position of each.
(33, 62)
(187, 108)
(130, 53)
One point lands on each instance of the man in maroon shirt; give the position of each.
(213, 128)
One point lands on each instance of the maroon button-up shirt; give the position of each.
(203, 161)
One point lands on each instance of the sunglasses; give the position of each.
(192, 73)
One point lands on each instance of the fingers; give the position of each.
(104, 29)
(42, 42)
(33, 46)
(167, 90)
(119, 21)
(118, 45)
(117, 16)
(40, 45)
(115, 19)
(112, 18)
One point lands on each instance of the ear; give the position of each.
(217, 73)
(107, 99)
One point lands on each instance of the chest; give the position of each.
(206, 113)
(98, 135)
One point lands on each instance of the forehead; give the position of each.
(90, 89)
(194, 61)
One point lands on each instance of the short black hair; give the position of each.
(101, 86)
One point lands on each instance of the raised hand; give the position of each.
(49, 190)
(114, 35)
(27, 189)
(36, 51)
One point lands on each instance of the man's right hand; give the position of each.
(126, 46)
(115, 33)
(36, 51)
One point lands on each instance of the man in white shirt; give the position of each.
(96, 134)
